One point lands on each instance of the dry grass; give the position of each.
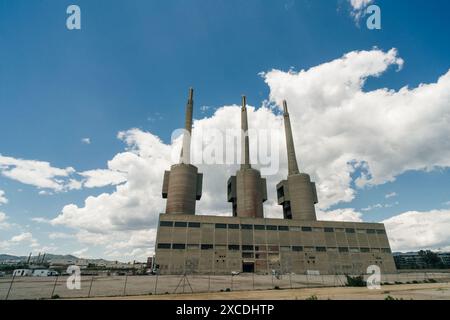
(427, 291)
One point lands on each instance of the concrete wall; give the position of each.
(298, 196)
(212, 244)
(182, 187)
(247, 192)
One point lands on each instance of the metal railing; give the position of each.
(15, 288)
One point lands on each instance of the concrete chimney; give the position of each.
(297, 194)
(247, 191)
(186, 148)
(182, 185)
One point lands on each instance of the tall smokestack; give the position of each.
(182, 185)
(186, 148)
(292, 159)
(247, 190)
(297, 194)
(245, 162)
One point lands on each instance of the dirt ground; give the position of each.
(428, 291)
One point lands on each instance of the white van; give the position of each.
(22, 273)
(44, 273)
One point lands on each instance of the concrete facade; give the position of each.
(220, 245)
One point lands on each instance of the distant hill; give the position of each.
(4, 257)
(48, 256)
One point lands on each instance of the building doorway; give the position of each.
(248, 267)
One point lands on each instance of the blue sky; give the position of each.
(130, 66)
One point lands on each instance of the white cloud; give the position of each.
(101, 178)
(80, 253)
(45, 193)
(135, 203)
(358, 8)
(86, 140)
(51, 179)
(40, 220)
(347, 131)
(121, 245)
(22, 239)
(359, 4)
(26, 236)
(342, 131)
(60, 235)
(36, 173)
(3, 223)
(3, 199)
(391, 195)
(415, 230)
(347, 214)
(380, 206)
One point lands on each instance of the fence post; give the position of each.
(10, 286)
(156, 282)
(290, 280)
(253, 280)
(90, 287)
(54, 287)
(125, 286)
(231, 287)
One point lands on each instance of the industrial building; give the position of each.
(246, 241)
(416, 260)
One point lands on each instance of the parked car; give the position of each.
(2, 274)
(235, 273)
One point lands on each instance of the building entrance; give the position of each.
(248, 267)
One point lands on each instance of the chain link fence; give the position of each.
(19, 288)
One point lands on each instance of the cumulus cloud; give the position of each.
(86, 140)
(3, 199)
(50, 179)
(22, 239)
(59, 235)
(81, 252)
(3, 223)
(101, 178)
(415, 230)
(380, 206)
(391, 195)
(40, 220)
(135, 203)
(344, 136)
(121, 245)
(358, 7)
(359, 4)
(38, 173)
(347, 214)
(373, 136)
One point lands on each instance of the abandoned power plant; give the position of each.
(246, 241)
